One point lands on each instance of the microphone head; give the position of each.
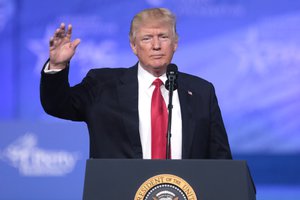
(172, 69)
(172, 73)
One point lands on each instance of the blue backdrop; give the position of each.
(250, 51)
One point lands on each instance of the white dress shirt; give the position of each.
(145, 80)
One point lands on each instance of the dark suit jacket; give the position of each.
(107, 100)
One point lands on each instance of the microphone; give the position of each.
(171, 85)
(172, 73)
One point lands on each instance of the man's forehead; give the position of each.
(154, 27)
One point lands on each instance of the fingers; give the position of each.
(61, 36)
(69, 31)
(61, 31)
(51, 42)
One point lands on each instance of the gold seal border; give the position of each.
(165, 179)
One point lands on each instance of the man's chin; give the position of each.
(160, 69)
(159, 66)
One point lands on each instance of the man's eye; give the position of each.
(164, 37)
(146, 39)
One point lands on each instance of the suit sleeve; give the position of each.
(60, 100)
(219, 145)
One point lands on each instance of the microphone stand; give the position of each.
(170, 82)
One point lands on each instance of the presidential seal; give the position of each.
(165, 187)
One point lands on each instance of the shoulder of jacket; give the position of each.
(194, 79)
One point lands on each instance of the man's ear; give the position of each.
(175, 45)
(133, 47)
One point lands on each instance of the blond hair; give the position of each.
(159, 14)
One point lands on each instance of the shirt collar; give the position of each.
(146, 79)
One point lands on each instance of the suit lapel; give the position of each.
(128, 97)
(188, 123)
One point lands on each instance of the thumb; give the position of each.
(75, 43)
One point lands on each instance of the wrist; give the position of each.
(57, 66)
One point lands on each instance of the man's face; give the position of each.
(154, 45)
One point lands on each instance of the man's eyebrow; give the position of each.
(147, 35)
(151, 35)
(160, 34)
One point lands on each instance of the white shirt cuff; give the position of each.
(50, 71)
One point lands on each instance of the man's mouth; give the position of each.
(158, 56)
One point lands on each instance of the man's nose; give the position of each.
(156, 43)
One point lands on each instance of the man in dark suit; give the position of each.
(117, 105)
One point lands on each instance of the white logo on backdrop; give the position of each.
(259, 55)
(30, 160)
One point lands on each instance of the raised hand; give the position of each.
(62, 48)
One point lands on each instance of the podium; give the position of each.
(139, 179)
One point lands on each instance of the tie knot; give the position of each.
(157, 82)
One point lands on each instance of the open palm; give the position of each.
(62, 48)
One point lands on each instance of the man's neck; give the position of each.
(156, 72)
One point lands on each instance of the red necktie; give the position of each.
(159, 123)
